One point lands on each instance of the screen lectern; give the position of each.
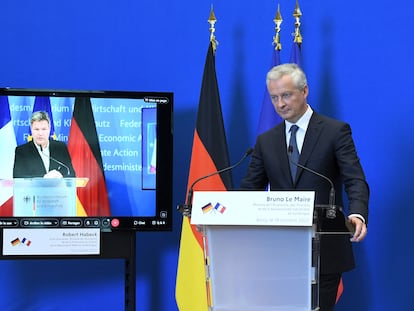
(46, 196)
(261, 249)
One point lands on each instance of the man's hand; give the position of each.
(53, 174)
(360, 229)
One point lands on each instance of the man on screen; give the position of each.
(42, 157)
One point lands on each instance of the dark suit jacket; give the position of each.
(328, 149)
(28, 163)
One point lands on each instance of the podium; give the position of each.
(261, 249)
(45, 196)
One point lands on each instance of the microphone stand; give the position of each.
(331, 209)
(186, 208)
(57, 161)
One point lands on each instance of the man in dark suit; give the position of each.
(324, 145)
(42, 157)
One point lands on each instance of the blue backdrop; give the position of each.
(359, 66)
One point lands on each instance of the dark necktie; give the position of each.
(295, 151)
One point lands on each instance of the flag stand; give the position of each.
(114, 245)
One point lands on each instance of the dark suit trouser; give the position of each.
(328, 288)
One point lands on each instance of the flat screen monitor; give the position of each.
(120, 146)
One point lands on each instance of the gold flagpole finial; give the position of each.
(278, 21)
(297, 14)
(212, 21)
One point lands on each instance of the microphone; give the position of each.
(331, 212)
(185, 209)
(57, 161)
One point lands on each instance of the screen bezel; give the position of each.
(162, 220)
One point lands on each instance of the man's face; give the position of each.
(289, 102)
(41, 132)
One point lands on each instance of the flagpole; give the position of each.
(268, 117)
(295, 56)
(297, 13)
(212, 21)
(278, 21)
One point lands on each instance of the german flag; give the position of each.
(209, 154)
(207, 208)
(85, 152)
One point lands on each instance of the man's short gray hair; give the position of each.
(292, 70)
(39, 116)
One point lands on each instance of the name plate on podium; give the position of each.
(44, 197)
(261, 208)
